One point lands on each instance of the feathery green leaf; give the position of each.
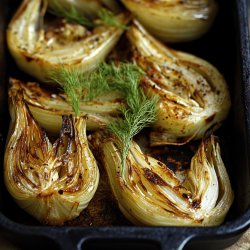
(108, 18)
(72, 15)
(71, 81)
(140, 110)
(136, 117)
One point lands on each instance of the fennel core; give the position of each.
(72, 15)
(139, 112)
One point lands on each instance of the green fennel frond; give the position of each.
(108, 18)
(139, 112)
(72, 15)
(70, 80)
(107, 77)
(135, 118)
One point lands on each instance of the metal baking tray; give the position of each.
(227, 47)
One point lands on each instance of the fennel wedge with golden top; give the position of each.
(194, 97)
(40, 47)
(48, 107)
(52, 182)
(172, 20)
(149, 193)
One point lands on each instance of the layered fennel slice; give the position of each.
(172, 20)
(52, 182)
(48, 107)
(40, 47)
(194, 97)
(150, 193)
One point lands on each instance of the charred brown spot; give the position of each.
(161, 163)
(196, 204)
(182, 139)
(66, 128)
(198, 97)
(143, 187)
(146, 159)
(28, 58)
(60, 191)
(45, 195)
(169, 211)
(67, 125)
(210, 118)
(130, 170)
(154, 178)
(133, 184)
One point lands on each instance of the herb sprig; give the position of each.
(139, 112)
(107, 77)
(72, 15)
(70, 79)
(108, 18)
(136, 116)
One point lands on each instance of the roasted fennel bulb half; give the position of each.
(48, 107)
(86, 8)
(52, 182)
(149, 193)
(40, 47)
(172, 20)
(194, 97)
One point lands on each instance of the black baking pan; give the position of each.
(227, 47)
